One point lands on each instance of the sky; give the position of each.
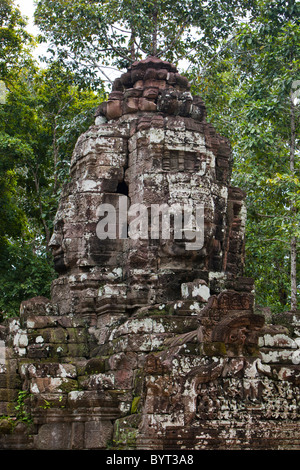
(27, 9)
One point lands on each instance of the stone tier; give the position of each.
(151, 85)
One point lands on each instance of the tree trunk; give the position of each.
(133, 56)
(293, 210)
(293, 274)
(37, 187)
(55, 154)
(154, 35)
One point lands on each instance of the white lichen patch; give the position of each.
(195, 290)
(66, 371)
(273, 356)
(220, 276)
(279, 340)
(76, 395)
(202, 291)
(30, 323)
(115, 274)
(195, 307)
(296, 357)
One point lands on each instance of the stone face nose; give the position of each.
(55, 240)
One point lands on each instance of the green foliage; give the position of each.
(86, 36)
(247, 87)
(243, 59)
(13, 39)
(24, 273)
(20, 407)
(42, 116)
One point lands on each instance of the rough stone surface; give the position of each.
(146, 344)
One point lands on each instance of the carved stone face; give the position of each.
(150, 138)
(67, 244)
(57, 246)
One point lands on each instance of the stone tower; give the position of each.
(150, 340)
(150, 146)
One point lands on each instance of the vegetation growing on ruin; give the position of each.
(241, 57)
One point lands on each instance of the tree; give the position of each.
(90, 35)
(252, 94)
(40, 120)
(14, 54)
(43, 116)
(14, 39)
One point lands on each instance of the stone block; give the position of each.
(49, 400)
(46, 335)
(146, 105)
(54, 436)
(36, 306)
(97, 434)
(278, 356)
(48, 369)
(114, 109)
(78, 432)
(8, 394)
(76, 335)
(38, 321)
(42, 385)
(144, 331)
(131, 105)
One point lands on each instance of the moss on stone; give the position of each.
(138, 381)
(134, 405)
(78, 350)
(126, 431)
(6, 425)
(214, 349)
(69, 385)
(95, 366)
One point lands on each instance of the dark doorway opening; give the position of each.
(122, 188)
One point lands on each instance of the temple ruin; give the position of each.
(149, 341)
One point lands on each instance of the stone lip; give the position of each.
(151, 85)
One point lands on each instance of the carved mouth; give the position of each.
(58, 253)
(59, 263)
